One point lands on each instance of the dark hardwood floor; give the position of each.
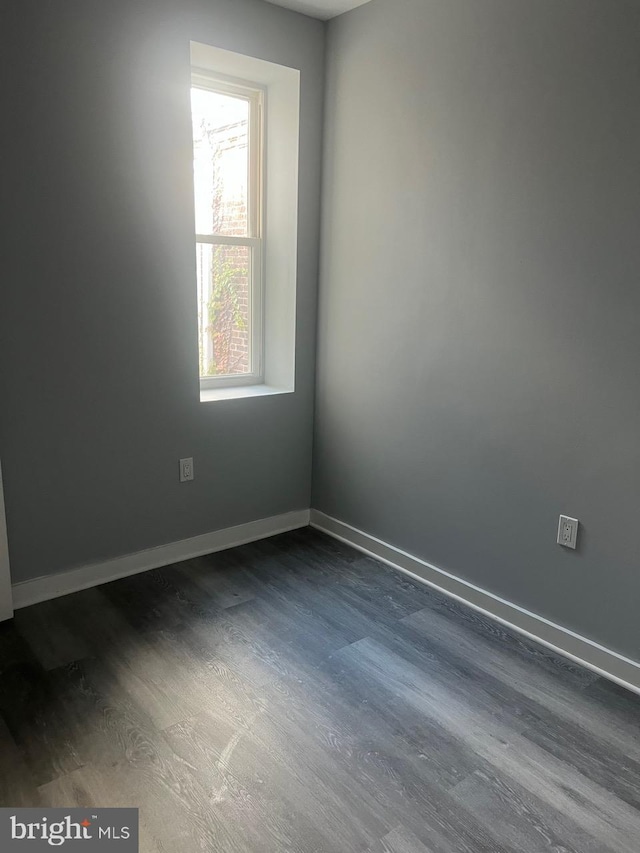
(293, 695)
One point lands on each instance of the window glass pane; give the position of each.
(220, 162)
(224, 310)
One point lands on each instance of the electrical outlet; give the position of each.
(186, 470)
(568, 531)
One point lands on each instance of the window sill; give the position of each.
(213, 395)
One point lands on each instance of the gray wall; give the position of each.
(98, 385)
(480, 295)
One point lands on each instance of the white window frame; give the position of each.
(255, 95)
(281, 135)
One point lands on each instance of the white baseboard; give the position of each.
(53, 586)
(588, 653)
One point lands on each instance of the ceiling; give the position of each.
(323, 9)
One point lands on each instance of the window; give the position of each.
(227, 168)
(245, 114)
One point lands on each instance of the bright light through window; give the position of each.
(227, 170)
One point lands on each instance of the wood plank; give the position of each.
(17, 788)
(523, 820)
(595, 809)
(400, 840)
(539, 693)
(47, 628)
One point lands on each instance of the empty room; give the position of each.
(320, 426)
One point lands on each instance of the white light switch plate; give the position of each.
(568, 531)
